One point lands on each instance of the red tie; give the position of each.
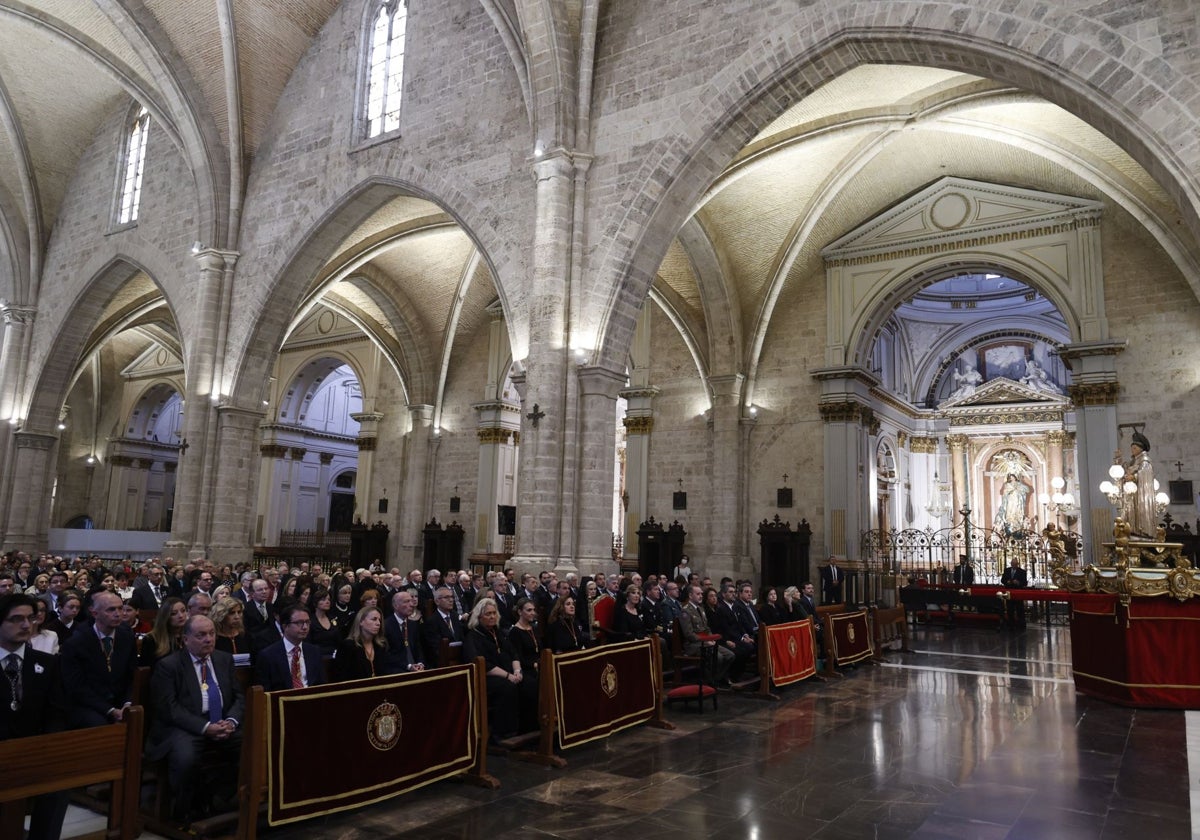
(297, 679)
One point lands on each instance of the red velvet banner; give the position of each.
(340, 746)
(851, 637)
(793, 651)
(603, 690)
(1147, 655)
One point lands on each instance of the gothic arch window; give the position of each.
(133, 160)
(383, 79)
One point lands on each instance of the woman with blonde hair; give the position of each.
(363, 653)
(227, 616)
(167, 635)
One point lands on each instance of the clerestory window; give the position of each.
(133, 160)
(385, 66)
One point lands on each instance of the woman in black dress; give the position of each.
(768, 607)
(627, 623)
(167, 635)
(228, 617)
(362, 653)
(563, 633)
(324, 632)
(524, 641)
(342, 614)
(504, 672)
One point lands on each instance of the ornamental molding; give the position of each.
(493, 435)
(1094, 393)
(846, 411)
(272, 450)
(1003, 416)
(923, 445)
(367, 444)
(639, 425)
(14, 314)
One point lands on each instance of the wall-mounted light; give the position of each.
(91, 460)
(62, 426)
(753, 411)
(197, 247)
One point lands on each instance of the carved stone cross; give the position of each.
(535, 415)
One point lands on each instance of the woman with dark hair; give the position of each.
(167, 635)
(324, 632)
(563, 631)
(41, 638)
(768, 607)
(710, 606)
(363, 653)
(228, 616)
(504, 672)
(133, 619)
(523, 638)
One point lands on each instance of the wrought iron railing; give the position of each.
(912, 554)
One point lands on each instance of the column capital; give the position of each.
(361, 417)
(421, 413)
(1094, 393)
(956, 441)
(214, 259)
(639, 425)
(645, 393)
(923, 445)
(16, 314)
(595, 380)
(34, 440)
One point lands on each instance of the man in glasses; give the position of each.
(290, 663)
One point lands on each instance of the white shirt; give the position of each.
(288, 647)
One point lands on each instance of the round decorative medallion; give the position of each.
(850, 632)
(384, 725)
(608, 681)
(949, 211)
(793, 648)
(325, 322)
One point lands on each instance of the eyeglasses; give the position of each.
(304, 623)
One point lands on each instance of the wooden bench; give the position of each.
(64, 760)
(887, 627)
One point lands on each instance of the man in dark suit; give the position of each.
(746, 615)
(244, 592)
(58, 586)
(403, 635)
(1015, 577)
(31, 701)
(290, 663)
(732, 636)
(149, 592)
(504, 601)
(464, 595)
(963, 574)
(442, 623)
(831, 582)
(198, 709)
(98, 664)
(259, 615)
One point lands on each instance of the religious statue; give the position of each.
(1141, 512)
(965, 381)
(1035, 377)
(1010, 515)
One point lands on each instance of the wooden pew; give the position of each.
(888, 626)
(823, 613)
(64, 760)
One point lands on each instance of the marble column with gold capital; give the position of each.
(368, 438)
(958, 472)
(639, 424)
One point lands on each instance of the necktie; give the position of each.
(214, 692)
(262, 610)
(753, 617)
(12, 670)
(158, 595)
(107, 644)
(297, 679)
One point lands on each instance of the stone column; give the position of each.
(639, 424)
(269, 520)
(597, 450)
(136, 501)
(294, 474)
(727, 497)
(189, 526)
(237, 436)
(368, 440)
(1094, 391)
(415, 508)
(118, 467)
(323, 483)
(958, 473)
(27, 525)
(845, 406)
(496, 452)
(14, 355)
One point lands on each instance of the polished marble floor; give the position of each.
(975, 734)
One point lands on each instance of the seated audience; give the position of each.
(324, 632)
(98, 664)
(228, 616)
(132, 618)
(693, 627)
(364, 651)
(443, 623)
(198, 706)
(504, 674)
(768, 607)
(405, 651)
(627, 620)
(40, 638)
(563, 631)
(342, 614)
(167, 635)
(290, 662)
(31, 701)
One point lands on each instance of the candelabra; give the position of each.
(1058, 502)
(1120, 492)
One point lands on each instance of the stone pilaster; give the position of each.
(845, 406)
(194, 483)
(497, 430)
(27, 522)
(14, 356)
(368, 441)
(728, 493)
(593, 528)
(418, 461)
(639, 425)
(237, 439)
(1094, 390)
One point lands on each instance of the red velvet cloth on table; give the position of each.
(603, 690)
(329, 748)
(792, 651)
(1147, 655)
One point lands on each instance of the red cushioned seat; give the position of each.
(689, 692)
